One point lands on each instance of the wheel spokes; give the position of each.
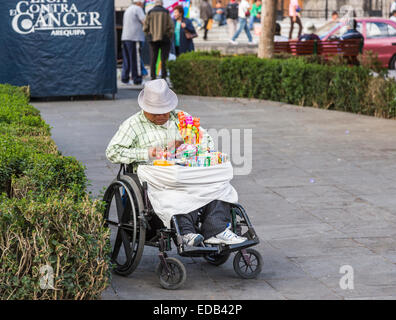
(173, 276)
(111, 222)
(120, 214)
(117, 246)
(127, 245)
(119, 205)
(252, 266)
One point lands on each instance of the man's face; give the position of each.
(158, 119)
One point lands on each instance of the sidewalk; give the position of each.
(218, 38)
(321, 195)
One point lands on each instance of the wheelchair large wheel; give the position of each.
(248, 263)
(175, 277)
(124, 202)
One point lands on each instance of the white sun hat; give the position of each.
(157, 98)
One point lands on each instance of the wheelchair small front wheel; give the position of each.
(217, 259)
(174, 277)
(248, 263)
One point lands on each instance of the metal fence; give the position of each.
(315, 14)
(369, 8)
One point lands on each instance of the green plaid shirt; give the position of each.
(137, 134)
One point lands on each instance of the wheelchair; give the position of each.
(134, 224)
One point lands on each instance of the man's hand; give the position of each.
(153, 152)
(173, 145)
(183, 25)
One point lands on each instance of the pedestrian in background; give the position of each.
(352, 32)
(243, 14)
(206, 13)
(294, 15)
(278, 37)
(194, 16)
(184, 32)
(309, 33)
(231, 13)
(158, 27)
(255, 14)
(393, 17)
(132, 42)
(334, 16)
(392, 7)
(219, 13)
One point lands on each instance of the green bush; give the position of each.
(37, 159)
(47, 173)
(46, 216)
(18, 130)
(21, 92)
(14, 109)
(13, 158)
(301, 81)
(66, 235)
(206, 73)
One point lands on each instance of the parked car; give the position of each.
(379, 37)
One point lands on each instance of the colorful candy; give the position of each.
(191, 153)
(189, 128)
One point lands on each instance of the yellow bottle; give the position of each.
(188, 134)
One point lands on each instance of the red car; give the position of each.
(379, 37)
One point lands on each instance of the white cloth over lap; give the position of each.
(179, 190)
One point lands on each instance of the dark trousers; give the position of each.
(154, 48)
(205, 29)
(298, 21)
(132, 61)
(214, 217)
(177, 51)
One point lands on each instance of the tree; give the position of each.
(268, 21)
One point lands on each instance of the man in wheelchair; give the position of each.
(137, 141)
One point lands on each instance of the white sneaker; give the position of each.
(233, 42)
(192, 239)
(226, 237)
(252, 42)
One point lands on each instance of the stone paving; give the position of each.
(321, 195)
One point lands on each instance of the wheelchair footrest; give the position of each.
(239, 246)
(199, 251)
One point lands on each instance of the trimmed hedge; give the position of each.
(293, 81)
(46, 216)
(57, 231)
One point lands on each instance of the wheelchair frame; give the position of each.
(136, 216)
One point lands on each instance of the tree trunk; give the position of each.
(268, 20)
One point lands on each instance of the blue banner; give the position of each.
(58, 47)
